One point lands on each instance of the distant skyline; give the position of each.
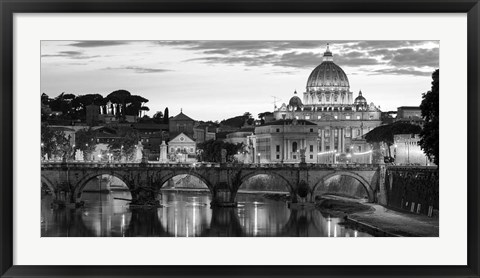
(216, 80)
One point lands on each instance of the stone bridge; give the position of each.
(223, 180)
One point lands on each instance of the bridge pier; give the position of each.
(223, 196)
(301, 198)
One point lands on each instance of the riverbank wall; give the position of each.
(413, 188)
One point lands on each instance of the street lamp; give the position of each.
(283, 137)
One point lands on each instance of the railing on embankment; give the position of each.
(413, 188)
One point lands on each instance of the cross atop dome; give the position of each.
(327, 55)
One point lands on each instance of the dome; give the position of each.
(360, 99)
(328, 75)
(295, 101)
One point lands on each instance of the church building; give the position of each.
(342, 120)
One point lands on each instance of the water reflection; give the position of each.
(188, 214)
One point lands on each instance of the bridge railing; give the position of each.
(97, 164)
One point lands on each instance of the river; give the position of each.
(188, 214)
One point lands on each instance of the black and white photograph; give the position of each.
(239, 138)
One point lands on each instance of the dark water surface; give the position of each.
(188, 214)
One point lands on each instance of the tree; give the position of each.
(86, 141)
(165, 116)
(125, 145)
(429, 135)
(212, 150)
(384, 133)
(239, 121)
(158, 117)
(54, 143)
(262, 116)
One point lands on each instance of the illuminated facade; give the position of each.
(329, 103)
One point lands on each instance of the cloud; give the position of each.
(98, 43)
(217, 51)
(416, 57)
(368, 45)
(70, 55)
(140, 69)
(401, 71)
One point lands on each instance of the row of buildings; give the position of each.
(326, 125)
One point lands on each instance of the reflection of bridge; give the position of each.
(224, 222)
(223, 180)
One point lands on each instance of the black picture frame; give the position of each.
(10, 7)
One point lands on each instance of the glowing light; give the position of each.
(363, 153)
(329, 152)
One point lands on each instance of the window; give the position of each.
(347, 117)
(294, 147)
(191, 150)
(307, 117)
(358, 117)
(335, 133)
(347, 132)
(311, 130)
(278, 130)
(336, 117)
(311, 148)
(311, 156)
(327, 132)
(278, 156)
(319, 117)
(278, 148)
(296, 117)
(359, 148)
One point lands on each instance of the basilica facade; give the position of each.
(342, 118)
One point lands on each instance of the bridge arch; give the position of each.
(252, 174)
(366, 185)
(50, 186)
(173, 174)
(84, 181)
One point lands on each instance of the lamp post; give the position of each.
(283, 137)
(41, 153)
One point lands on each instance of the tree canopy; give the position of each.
(239, 121)
(429, 141)
(212, 150)
(74, 107)
(125, 145)
(385, 133)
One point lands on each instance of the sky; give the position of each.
(216, 80)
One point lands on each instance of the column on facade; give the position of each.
(322, 135)
(339, 141)
(343, 139)
(287, 149)
(332, 139)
